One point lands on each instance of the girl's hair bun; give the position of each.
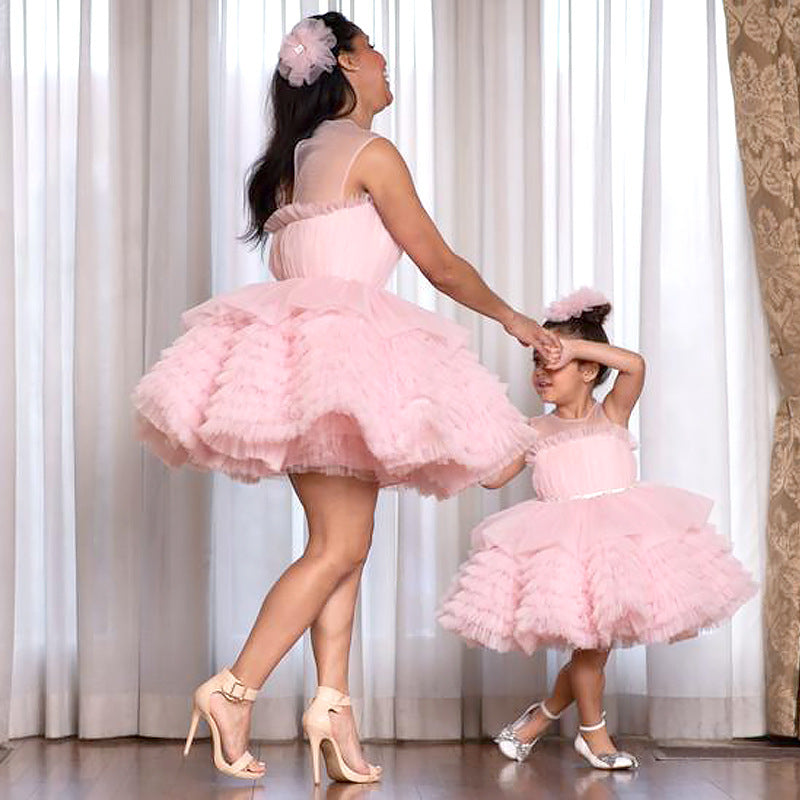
(596, 314)
(581, 314)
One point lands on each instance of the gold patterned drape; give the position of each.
(764, 54)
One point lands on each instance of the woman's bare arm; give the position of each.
(381, 171)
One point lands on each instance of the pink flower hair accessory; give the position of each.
(306, 52)
(573, 305)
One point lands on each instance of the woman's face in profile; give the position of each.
(368, 75)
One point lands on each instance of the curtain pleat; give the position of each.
(8, 423)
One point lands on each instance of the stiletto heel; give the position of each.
(318, 728)
(314, 744)
(192, 730)
(608, 761)
(233, 690)
(512, 747)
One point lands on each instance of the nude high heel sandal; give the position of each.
(318, 728)
(226, 684)
(609, 761)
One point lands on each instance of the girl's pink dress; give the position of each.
(598, 560)
(323, 370)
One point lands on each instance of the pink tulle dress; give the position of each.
(597, 560)
(323, 369)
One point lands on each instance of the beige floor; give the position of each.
(143, 769)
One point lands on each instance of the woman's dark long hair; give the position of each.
(296, 113)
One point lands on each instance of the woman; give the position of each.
(327, 378)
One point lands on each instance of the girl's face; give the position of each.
(366, 70)
(572, 382)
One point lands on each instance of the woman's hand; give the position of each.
(530, 333)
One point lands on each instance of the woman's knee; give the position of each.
(340, 513)
(353, 554)
(343, 552)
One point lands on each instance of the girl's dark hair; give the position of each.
(589, 326)
(296, 113)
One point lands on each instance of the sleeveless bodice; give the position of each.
(573, 459)
(343, 240)
(321, 233)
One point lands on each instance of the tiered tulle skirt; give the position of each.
(635, 567)
(328, 375)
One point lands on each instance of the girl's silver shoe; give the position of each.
(512, 747)
(607, 761)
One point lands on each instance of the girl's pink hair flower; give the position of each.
(573, 305)
(306, 52)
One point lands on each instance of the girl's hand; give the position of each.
(567, 354)
(531, 334)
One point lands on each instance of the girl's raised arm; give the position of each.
(619, 402)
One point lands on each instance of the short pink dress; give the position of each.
(598, 560)
(324, 370)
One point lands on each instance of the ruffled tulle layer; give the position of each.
(328, 375)
(638, 567)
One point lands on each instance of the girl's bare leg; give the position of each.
(588, 680)
(560, 698)
(339, 511)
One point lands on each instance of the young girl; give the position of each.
(598, 560)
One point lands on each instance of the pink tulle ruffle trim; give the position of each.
(331, 376)
(653, 570)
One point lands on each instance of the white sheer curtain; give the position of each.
(8, 426)
(555, 147)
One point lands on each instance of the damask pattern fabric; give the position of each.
(764, 49)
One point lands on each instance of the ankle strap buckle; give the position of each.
(235, 691)
(232, 689)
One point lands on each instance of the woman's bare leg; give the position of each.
(560, 698)
(332, 631)
(588, 680)
(330, 637)
(340, 513)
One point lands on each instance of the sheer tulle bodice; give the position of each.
(323, 233)
(574, 459)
